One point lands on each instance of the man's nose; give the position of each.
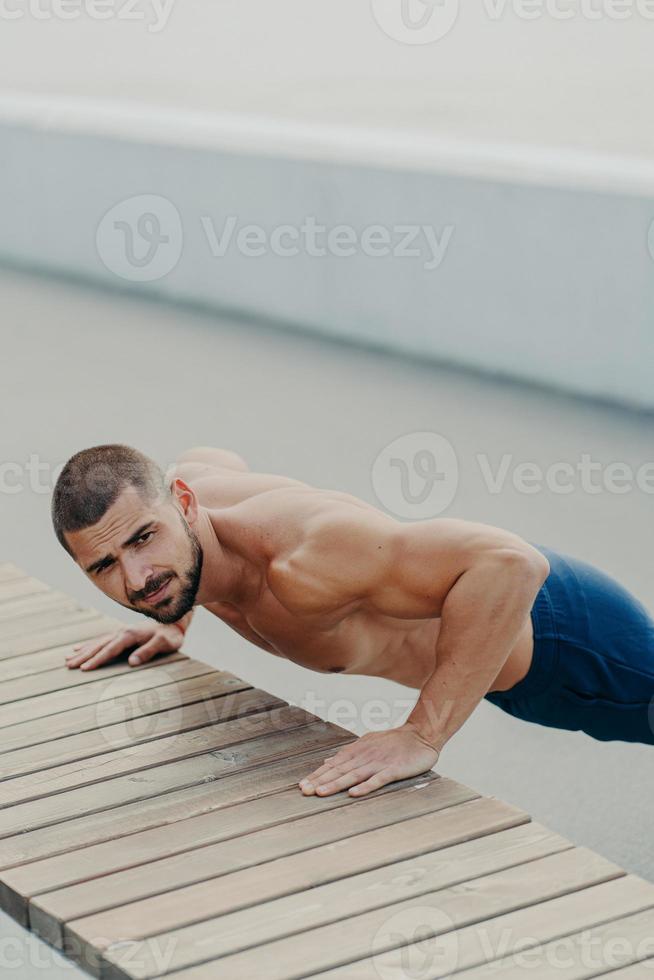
(136, 574)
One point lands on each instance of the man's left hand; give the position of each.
(372, 761)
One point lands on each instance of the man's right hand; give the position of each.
(147, 640)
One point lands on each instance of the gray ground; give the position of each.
(85, 367)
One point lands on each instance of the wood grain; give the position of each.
(62, 689)
(211, 793)
(450, 908)
(362, 872)
(480, 949)
(131, 696)
(151, 824)
(249, 833)
(30, 604)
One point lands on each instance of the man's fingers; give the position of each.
(334, 785)
(87, 651)
(333, 761)
(110, 650)
(98, 650)
(376, 781)
(144, 653)
(329, 774)
(83, 650)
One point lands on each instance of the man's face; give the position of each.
(138, 549)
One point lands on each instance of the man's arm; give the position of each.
(481, 620)
(480, 580)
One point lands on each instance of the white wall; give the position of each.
(530, 139)
(575, 82)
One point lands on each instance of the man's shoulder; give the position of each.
(227, 488)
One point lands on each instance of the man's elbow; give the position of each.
(527, 565)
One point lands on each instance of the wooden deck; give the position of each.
(151, 824)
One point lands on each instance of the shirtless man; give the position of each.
(458, 610)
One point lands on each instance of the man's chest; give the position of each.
(341, 641)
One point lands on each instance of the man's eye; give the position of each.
(144, 536)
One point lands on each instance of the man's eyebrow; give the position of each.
(94, 566)
(137, 533)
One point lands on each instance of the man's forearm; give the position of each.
(481, 620)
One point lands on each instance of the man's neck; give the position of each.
(225, 575)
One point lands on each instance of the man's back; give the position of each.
(307, 553)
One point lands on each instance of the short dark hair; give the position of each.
(93, 479)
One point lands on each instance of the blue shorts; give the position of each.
(593, 662)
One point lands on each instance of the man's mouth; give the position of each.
(161, 591)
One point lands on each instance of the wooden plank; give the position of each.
(252, 831)
(46, 619)
(10, 571)
(210, 703)
(180, 683)
(91, 688)
(64, 680)
(637, 971)
(348, 938)
(56, 636)
(27, 605)
(486, 942)
(212, 765)
(243, 857)
(35, 663)
(159, 811)
(591, 953)
(152, 830)
(241, 716)
(365, 872)
(15, 588)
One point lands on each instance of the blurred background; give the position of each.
(403, 250)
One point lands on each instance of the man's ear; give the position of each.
(185, 498)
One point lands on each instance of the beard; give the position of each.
(171, 608)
